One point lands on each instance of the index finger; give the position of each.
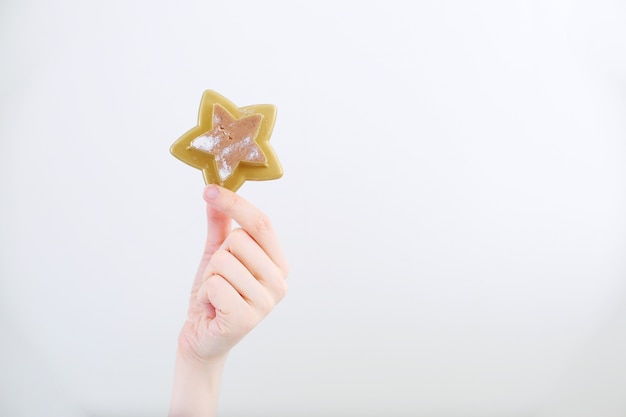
(250, 218)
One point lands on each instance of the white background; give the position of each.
(452, 205)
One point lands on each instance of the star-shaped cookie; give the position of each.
(230, 144)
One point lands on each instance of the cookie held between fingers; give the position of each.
(230, 144)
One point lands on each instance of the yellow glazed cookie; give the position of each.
(230, 144)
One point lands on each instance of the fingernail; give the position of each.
(211, 192)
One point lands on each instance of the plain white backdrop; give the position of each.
(452, 205)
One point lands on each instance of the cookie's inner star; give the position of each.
(231, 141)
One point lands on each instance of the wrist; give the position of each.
(196, 385)
(192, 364)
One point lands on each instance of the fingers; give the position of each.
(244, 264)
(241, 276)
(231, 310)
(228, 267)
(245, 275)
(251, 219)
(247, 251)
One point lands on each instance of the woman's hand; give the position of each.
(240, 279)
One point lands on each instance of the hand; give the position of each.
(239, 281)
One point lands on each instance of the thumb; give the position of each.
(218, 227)
(218, 223)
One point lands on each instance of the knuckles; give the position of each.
(212, 283)
(281, 289)
(265, 305)
(237, 236)
(219, 258)
(285, 269)
(262, 223)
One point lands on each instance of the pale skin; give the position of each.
(240, 279)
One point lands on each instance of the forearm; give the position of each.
(196, 387)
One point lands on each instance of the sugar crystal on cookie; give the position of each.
(231, 141)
